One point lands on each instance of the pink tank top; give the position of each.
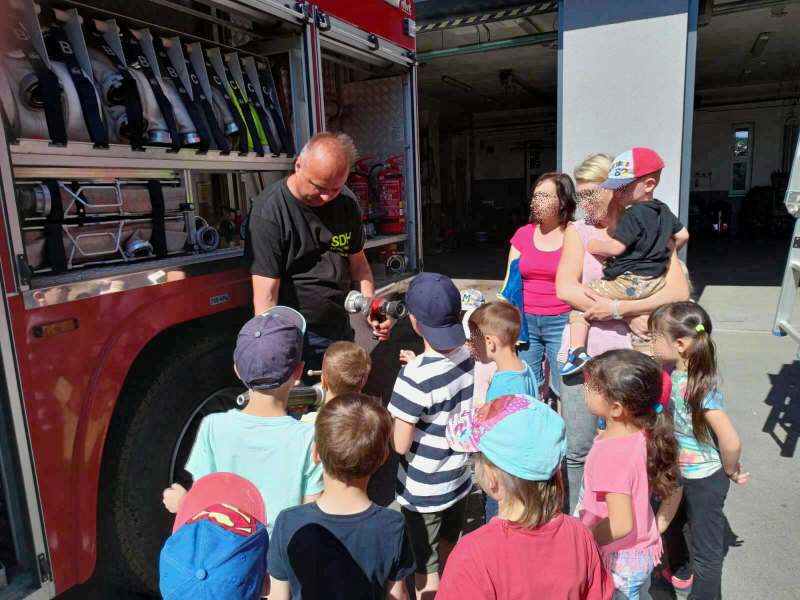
(538, 269)
(603, 335)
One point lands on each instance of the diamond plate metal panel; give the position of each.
(373, 117)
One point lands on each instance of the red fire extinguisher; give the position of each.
(358, 182)
(391, 191)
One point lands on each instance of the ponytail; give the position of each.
(689, 320)
(634, 380)
(663, 471)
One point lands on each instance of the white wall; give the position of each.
(622, 82)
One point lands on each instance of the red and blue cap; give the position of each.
(269, 348)
(218, 548)
(519, 434)
(630, 165)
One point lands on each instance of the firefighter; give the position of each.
(305, 245)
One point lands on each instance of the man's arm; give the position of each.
(402, 436)
(265, 293)
(361, 272)
(610, 248)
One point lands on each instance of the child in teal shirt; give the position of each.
(261, 442)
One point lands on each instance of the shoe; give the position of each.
(682, 586)
(576, 360)
(661, 580)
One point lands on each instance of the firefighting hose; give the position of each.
(378, 308)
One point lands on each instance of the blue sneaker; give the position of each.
(576, 360)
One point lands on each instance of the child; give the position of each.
(634, 457)
(218, 547)
(531, 550)
(260, 442)
(497, 325)
(709, 445)
(343, 545)
(345, 369)
(432, 481)
(640, 249)
(470, 301)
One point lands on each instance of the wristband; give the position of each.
(615, 310)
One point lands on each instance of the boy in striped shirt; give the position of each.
(433, 481)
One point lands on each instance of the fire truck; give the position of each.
(135, 135)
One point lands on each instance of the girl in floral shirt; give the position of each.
(709, 446)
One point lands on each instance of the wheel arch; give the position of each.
(132, 348)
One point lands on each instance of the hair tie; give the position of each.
(658, 408)
(700, 328)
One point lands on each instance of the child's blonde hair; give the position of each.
(541, 500)
(345, 367)
(500, 319)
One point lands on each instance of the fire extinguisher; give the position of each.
(358, 182)
(391, 191)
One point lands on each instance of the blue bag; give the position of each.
(512, 292)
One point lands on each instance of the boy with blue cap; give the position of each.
(261, 442)
(218, 548)
(432, 481)
(531, 550)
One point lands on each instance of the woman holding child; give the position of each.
(538, 247)
(608, 331)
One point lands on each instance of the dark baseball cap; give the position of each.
(269, 348)
(435, 303)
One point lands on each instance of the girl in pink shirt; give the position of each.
(636, 456)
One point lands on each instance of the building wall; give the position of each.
(622, 81)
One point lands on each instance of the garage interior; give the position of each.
(488, 127)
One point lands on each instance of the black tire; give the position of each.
(160, 404)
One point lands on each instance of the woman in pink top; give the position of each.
(578, 267)
(538, 247)
(636, 456)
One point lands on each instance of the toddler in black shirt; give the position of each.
(639, 251)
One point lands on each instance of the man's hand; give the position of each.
(380, 329)
(173, 496)
(601, 310)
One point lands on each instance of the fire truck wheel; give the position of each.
(151, 435)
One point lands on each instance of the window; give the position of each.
(742, 168)
(789, 143)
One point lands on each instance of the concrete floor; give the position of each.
(737, 283)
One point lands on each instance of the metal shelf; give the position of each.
(38, 153)
(385, 240)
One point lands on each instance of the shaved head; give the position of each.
(322, 168)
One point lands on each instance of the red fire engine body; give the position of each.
(110, 364)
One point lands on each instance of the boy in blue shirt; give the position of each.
(261, 442)
(494, 331)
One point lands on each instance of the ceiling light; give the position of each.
(761, 43)
(528, 26)
(456, 83)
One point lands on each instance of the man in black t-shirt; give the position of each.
(305, 245)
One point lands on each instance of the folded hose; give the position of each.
(187, 128)
(223, 114)
(207, 237)
(23, 100)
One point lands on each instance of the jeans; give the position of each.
(545, 332)
(632, 586)
(702, 504)
(581, 431)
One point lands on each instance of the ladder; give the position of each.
(791, 275)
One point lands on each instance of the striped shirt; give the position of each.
(428, 391)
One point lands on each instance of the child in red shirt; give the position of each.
(530, 550)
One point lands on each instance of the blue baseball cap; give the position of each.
(269, 348)
(519, 434)
(218, 549)
(434, 301)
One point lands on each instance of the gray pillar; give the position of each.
(623, 83)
